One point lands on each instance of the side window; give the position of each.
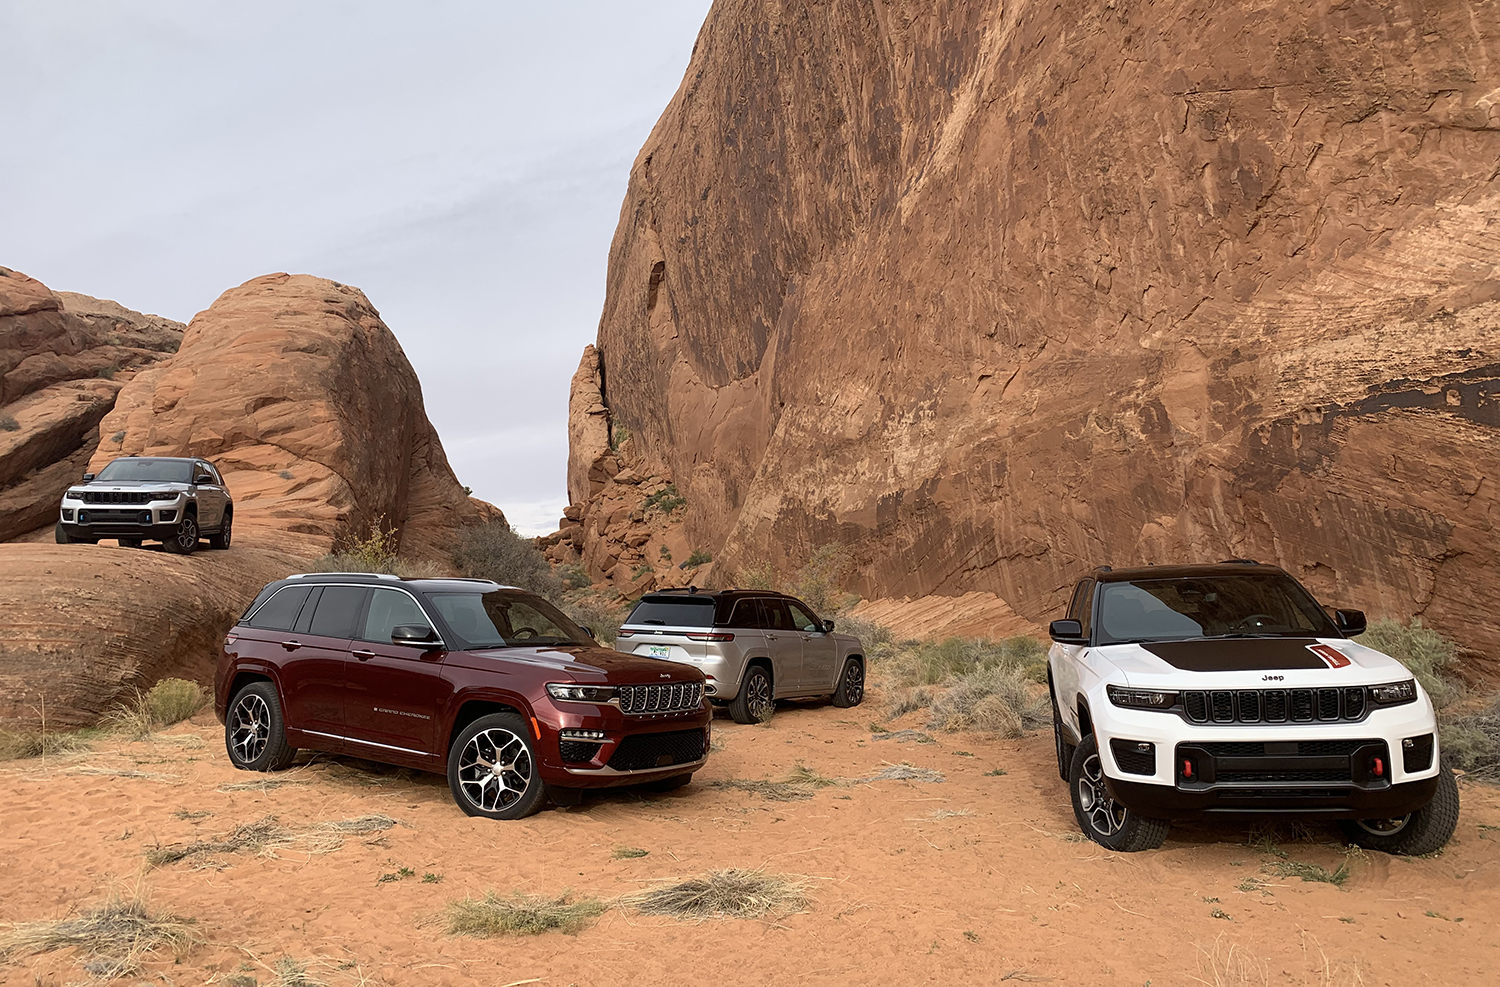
(308, 609)
(389, 608)
(746, 614)
(1086, 606)
(338, 608)
(802, 618)
(280, 611)
(774, 616)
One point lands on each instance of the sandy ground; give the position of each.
(976, 880)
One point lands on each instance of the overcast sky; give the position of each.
(462, 162)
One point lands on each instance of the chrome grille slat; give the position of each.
(668, 697)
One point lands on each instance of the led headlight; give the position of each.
(569, 693)
(1394, 694)
(1141, 698)
(588, 735)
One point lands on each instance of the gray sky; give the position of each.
(462, 162)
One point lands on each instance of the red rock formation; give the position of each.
(63, 358)
(992, 292)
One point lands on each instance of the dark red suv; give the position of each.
(490, 683)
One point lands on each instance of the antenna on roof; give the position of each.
(692, 589)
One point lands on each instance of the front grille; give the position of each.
(1299, 748)
(1264, 776)
(578, 751)
(1131, 760)
(1275, 705)
(669, 697)
(656, 750)
(118, 497)
(1417, 757)
(114, 517)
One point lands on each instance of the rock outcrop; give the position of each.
(302, 396)
(993, 292)
(63, 359)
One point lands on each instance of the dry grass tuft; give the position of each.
(996, 700)
(801, 782)
(902, 736)
(904, 772)
(520, 915)
(165, 703)
(1311, 872)
(266, 836)
(20, 746)
(114, 936)
(724, 894)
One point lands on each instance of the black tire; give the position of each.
(220, 539)
(1425, 831)
(130, 542)
(668, 784)
(851, 690)
(756, 700)
(484, 744)
(62, 535)
(1064, 749)
(185, 540)
(1102, 819)
(254, 730)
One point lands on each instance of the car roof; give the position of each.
(712, 594)
(428, 585)
(1230, 567)
(162, 459)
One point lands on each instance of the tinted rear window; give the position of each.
(337, 609)
(280, 610)
(672, 612)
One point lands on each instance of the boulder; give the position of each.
(993, 293)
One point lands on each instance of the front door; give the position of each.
(785, 645)
(394, 691)
(211, 499)
(819, 651)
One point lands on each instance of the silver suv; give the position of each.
(753, 646)
(135, 498)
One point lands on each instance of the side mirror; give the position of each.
(1351, 622)
(828, 626)
(87, 477)
(202, 478)
(415, 635)
(1067, 632)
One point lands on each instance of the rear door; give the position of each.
(394, 691)
(819, 650)
(320, 640)
(267, 638)
(785, 645)
(211, 497)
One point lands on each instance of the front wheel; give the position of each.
(1425, 831)
(185, 540)
(254, 730)
(756, 701)
(1103, 820)
(851, 690)
(492, 769)
(221, 540)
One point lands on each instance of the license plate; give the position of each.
(658, 650)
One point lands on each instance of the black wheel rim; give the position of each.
(758, 696)
(1106, 816)
(494, 769)
(1383, 827)
(187, 534)
(249, 728)
(854, 683)
(224, 534)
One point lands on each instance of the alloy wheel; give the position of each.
(854, 683)
(250, 728)
(495, 769)
(187, 534)
(225, 529)
(1104, 814)
(758, 699)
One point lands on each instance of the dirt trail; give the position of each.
(961, 882)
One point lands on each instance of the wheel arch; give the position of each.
(472, 707)
(764, 661)
(1085, 718)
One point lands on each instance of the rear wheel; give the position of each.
(851, 690)
(1425, 831)
(755, 703)
(221, 540)
(185, 539)
(492, 769)
(1102, 819)
(254, 731)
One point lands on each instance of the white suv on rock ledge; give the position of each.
(1180, 690)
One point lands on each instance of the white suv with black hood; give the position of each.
(1180, 690)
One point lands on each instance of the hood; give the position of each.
(1252, 662)
(586, 664)
(131, 485)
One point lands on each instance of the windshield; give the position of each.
(157, 470)
(505, 619)
(673, 612)
(1252, 605)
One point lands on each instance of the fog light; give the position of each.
(710, 689)
(595, 735)
(165, 516)
(67, 514)
(83, 517)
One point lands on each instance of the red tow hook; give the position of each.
(1379, 768)
(1187, 769)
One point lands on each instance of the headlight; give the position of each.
(1394, 694)
(73, 495)
(569, 693)
(1141, 698)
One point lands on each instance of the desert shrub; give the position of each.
(520, 915)
(1000, 699)
(644, 569)
(595, 613)
(870, 634)
(8, 423)
(1426, 653)
(174, 700)
(574, 576)
(497, 551)
(618, 435)
(667, 500)
(820, 583)
(115, 936)
(1471, 743)
(699, 557)
(937, 662)
(17, 746)
(108, 373)
(723, 894)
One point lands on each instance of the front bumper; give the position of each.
(157, 520)
(635, 748)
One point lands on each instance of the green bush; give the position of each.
(667, 500)
(1426, 653)
(1472, 743)
(574, 576)
(8, 423)
(496, 551)
(699, 557)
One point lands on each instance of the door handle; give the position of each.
(363, 655)
(291, 645)
(770, 637)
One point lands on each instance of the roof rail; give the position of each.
(346, 575)
(1239, 562)
(1104, 568)
(690, 590)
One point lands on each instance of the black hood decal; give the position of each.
(1239, 654)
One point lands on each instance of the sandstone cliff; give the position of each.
(63, 359)
(993, 292)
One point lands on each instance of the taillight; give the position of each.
(230, 639)
(624, 633)
(710, 637)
